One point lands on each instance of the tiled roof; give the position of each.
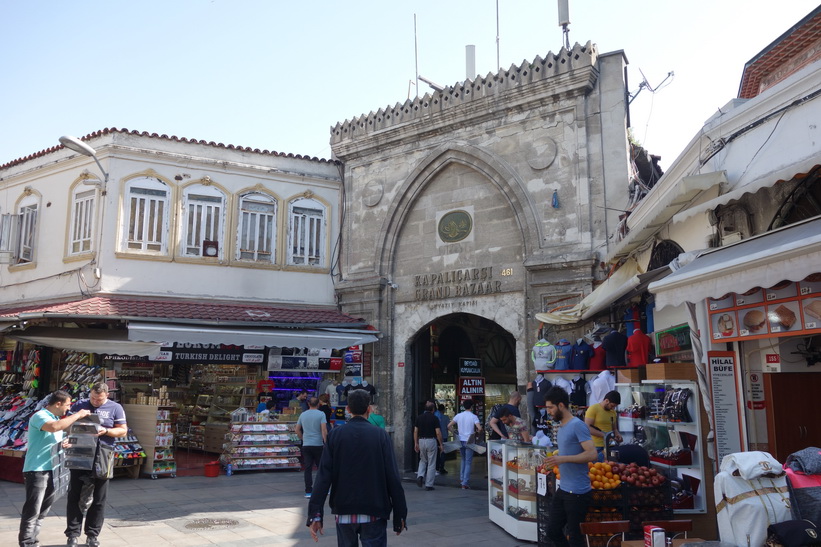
(107, 307)
(171, 138)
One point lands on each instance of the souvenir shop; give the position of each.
(181, 401)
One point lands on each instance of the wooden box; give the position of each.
(671, 371)
(630, 375)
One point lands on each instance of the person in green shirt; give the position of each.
(376, 418)
(45, 430)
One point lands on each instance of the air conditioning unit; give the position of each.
(730, 237)
(6, 257)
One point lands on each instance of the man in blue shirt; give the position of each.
(576, 448)
(113, 425)
(312, 429)
(44, 432)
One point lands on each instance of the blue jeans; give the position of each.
(567, 510)
(371, 534)
(467, 461)
(39, 499)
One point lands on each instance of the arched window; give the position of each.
(82, 219)
(256, 229)
(306, 232)
(146, 215)
(203, 221)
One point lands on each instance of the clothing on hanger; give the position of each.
(638, 349)
(598, 357)
(563, 352)
(540, 386)
(580, 355)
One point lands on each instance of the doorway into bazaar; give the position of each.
(439, 348)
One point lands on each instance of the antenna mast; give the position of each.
(415, 57)
(564, 21)
(498, 62)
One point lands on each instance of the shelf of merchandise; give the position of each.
(135, 377)
(129, 455)
(152, 424)
(249, 392)
(664, 431)
(258, 445)
(512, 487)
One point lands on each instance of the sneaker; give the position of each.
(429, 488)
(92, 541)
(307, 494)
(437, 473)
(420, 481)
(465, 487)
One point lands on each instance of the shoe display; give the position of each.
(420, 481)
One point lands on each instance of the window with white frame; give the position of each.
(306, 232)
(203, 222)
(26, 230)
(82, 220)
(146, 215)
(256, 229)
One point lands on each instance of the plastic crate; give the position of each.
(652, 496)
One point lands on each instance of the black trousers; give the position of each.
(74, 513)
(39, 499)
(310, 456)
(567, 511)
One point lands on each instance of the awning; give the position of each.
(656, 209)
(790, 253)
(114, 342)
(624, 281)
(167, 334)
(788, 173)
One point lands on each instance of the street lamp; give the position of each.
(73, 143)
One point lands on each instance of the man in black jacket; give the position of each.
(359, 467)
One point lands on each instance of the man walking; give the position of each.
(359, 467)
(569, 504)
(443, 426)
(312, 430)
(497, 426)
(427, 441)
(112, 420)
(601, 418)
(45, 430)
(467, 424)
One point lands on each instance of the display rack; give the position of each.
(152, 424)
(286, 387)
(664, 417)
(129, 455)
(512, 486)
(255, 445)
(134, 378)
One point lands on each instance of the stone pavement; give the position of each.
(253, 508)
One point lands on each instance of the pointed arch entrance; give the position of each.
(437, 350)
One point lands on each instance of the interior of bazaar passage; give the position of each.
(436, 351)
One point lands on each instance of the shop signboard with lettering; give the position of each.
(673, 340)
(726, 402)
(470, 367)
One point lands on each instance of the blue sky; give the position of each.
(278, 74)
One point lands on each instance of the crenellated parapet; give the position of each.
(540, 70)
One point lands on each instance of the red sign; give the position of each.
(401, 363)
(264, 386)
(773, 358)
(471, 387)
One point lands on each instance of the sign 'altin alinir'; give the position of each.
(456, 283)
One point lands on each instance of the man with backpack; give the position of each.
(494, 424)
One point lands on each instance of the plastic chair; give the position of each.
(612, 527)
(678, 526)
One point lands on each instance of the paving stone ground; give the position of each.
(255, 508)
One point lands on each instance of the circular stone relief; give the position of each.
(542, 160)
(372, 194)
(455, 226)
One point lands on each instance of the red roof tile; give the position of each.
(106, 307)
(166, 137)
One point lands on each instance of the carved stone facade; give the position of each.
(481, 204)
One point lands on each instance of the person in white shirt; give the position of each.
(467, 424)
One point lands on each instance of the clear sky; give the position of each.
(278, 74)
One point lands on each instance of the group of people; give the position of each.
(46, 431)
(356, 464)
